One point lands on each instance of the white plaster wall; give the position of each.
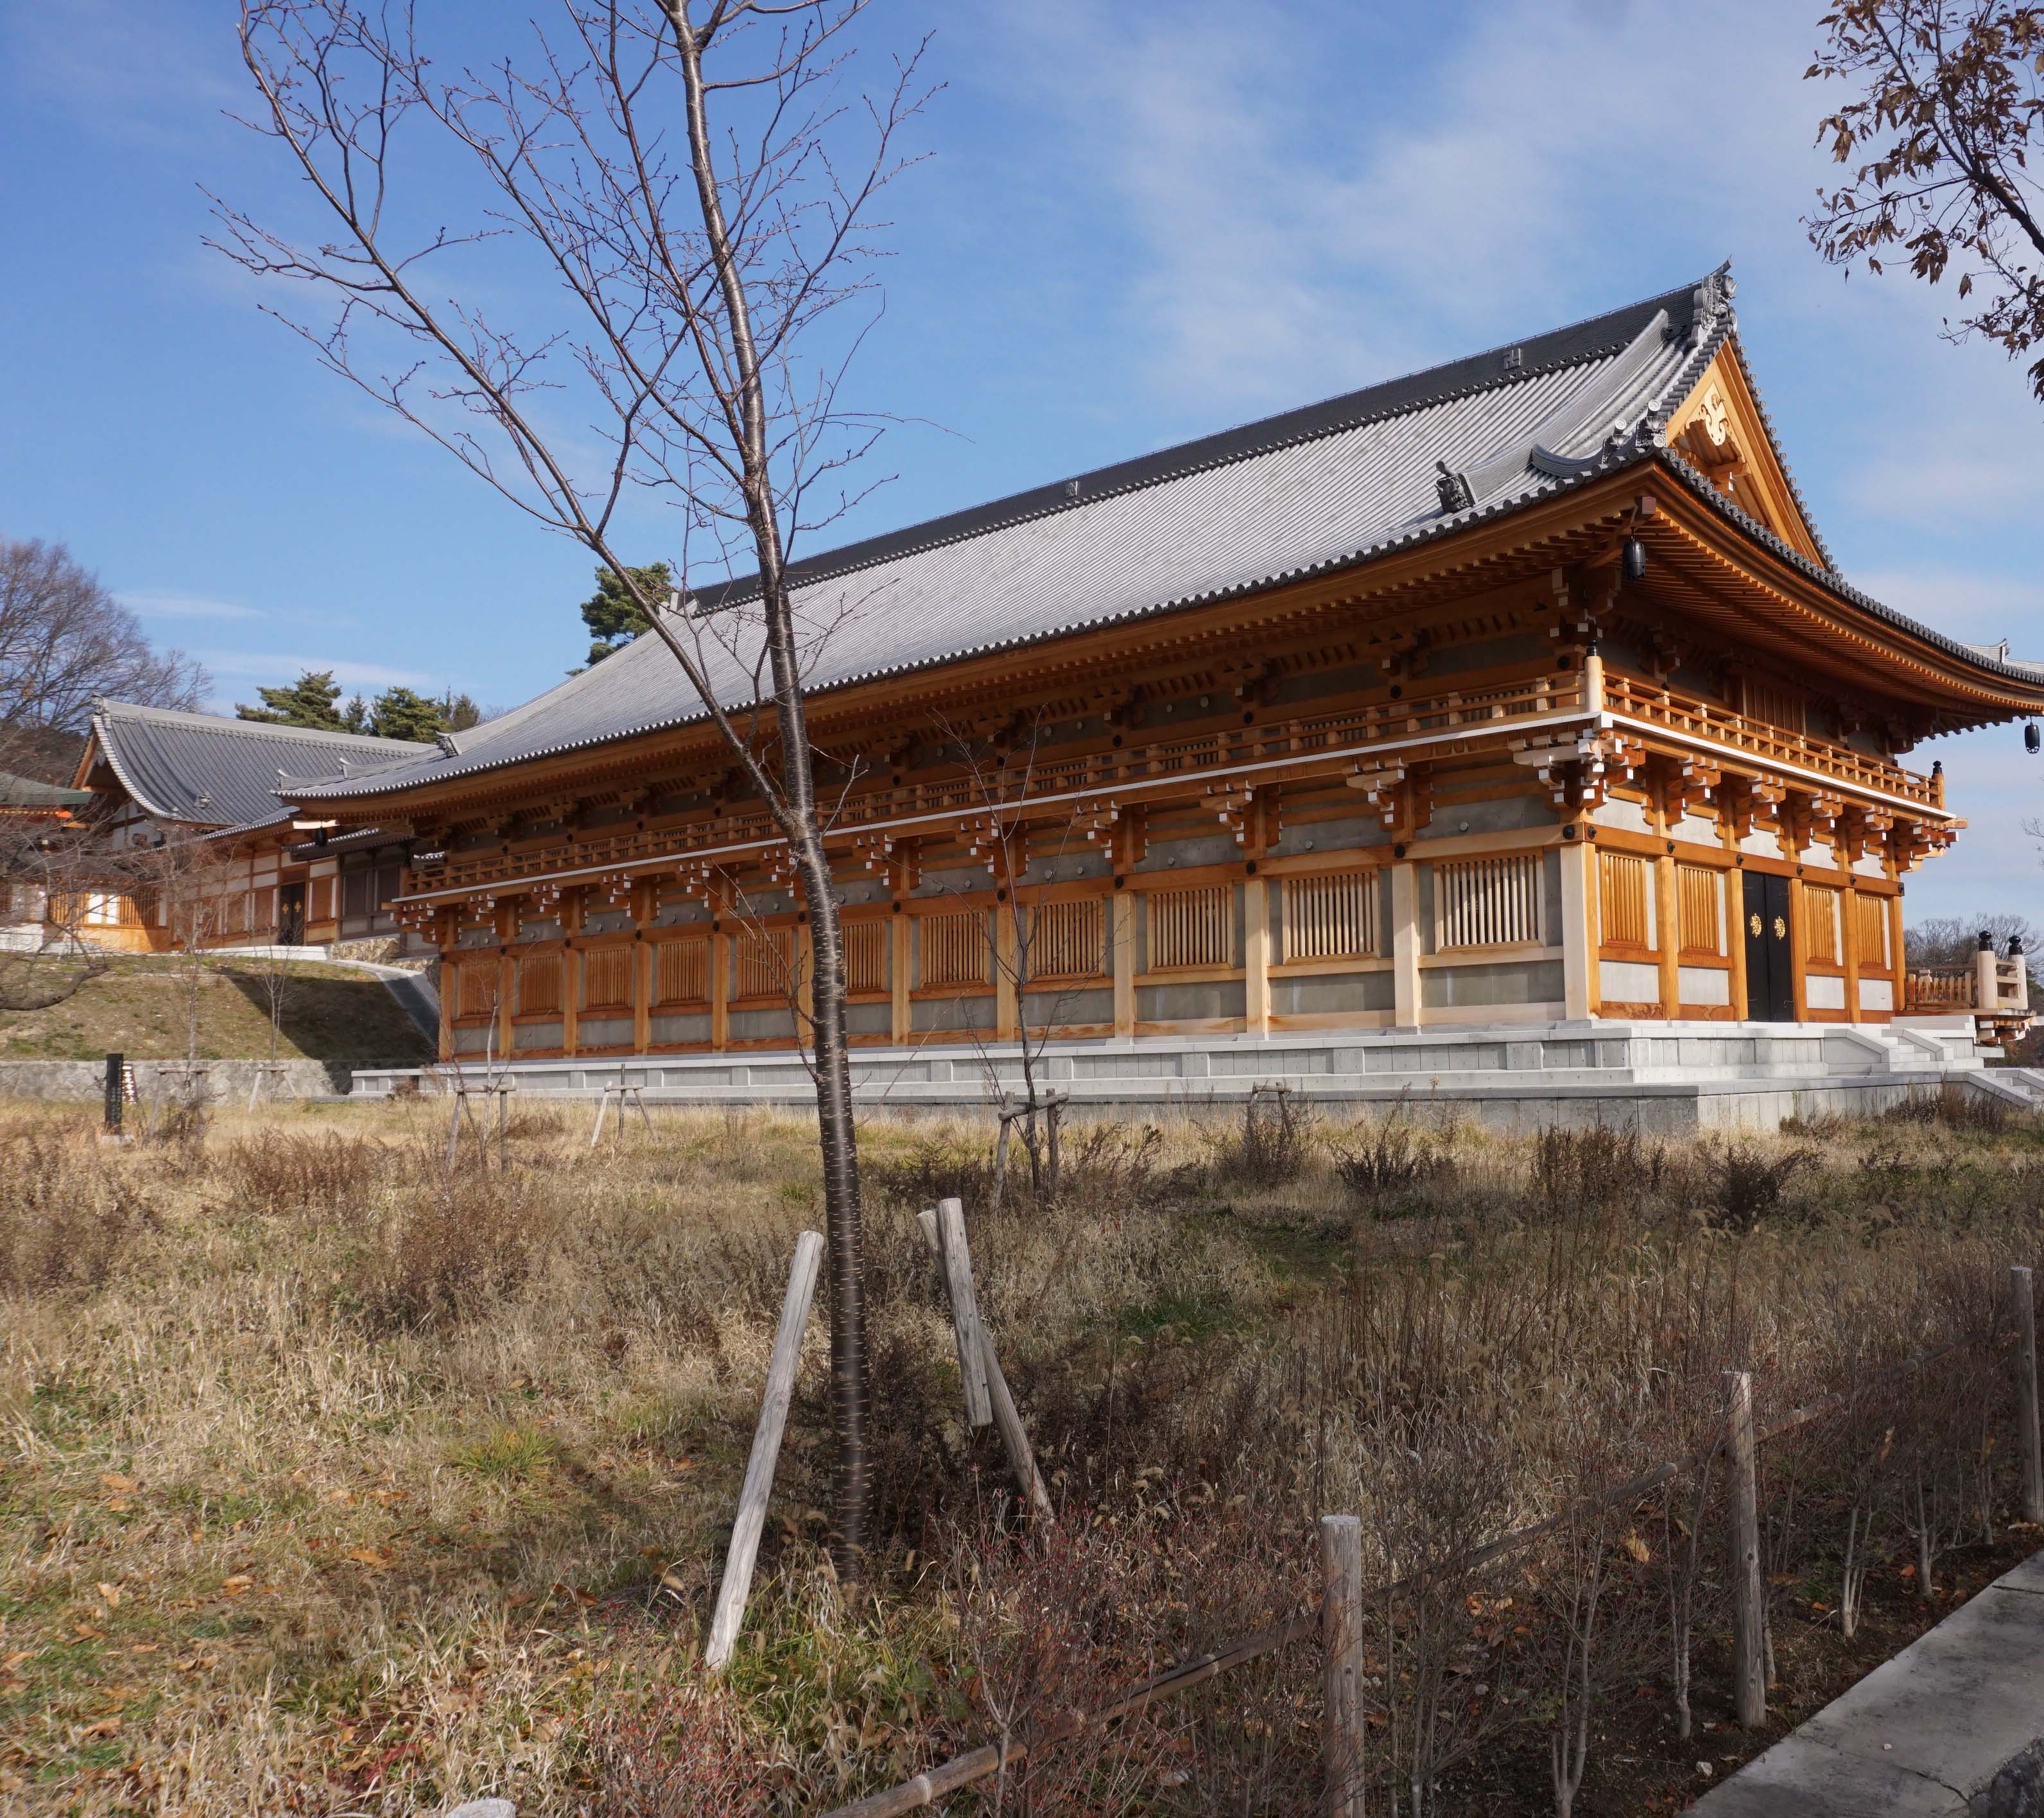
(1761, 843)
(1628, 982)
(1705, 984)
(1876, 994)
(1822, 992)
(1631, 816)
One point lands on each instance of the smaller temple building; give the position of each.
(191, 807)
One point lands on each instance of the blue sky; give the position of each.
(1137, 222)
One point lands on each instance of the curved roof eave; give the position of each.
(2028, 674)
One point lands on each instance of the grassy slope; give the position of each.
(140, 1009)
(332, 1485)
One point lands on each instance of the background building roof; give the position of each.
(27, 792)
(208, 771)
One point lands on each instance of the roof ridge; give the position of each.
(200, 721)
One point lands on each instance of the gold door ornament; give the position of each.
(1753, 923)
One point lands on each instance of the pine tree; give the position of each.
(309, 702)
(458, 712)
(613, 616)
(401, 713)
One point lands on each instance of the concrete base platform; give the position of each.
(1661, 1076)
(1922, 1736)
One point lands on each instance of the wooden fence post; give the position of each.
(1014, 1435)
(758, 1485)
(1749, 1668)
(956, 1259)
(1341, 1641)
(2026, 1393)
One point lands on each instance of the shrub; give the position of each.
(1386, 1165)
(1747, 1186)
(326, 1175)
(1271, 1147)
(64, 1219)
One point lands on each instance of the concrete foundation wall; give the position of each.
(85, 1080)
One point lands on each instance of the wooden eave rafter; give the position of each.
(1727, 580)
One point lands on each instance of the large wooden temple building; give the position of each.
(1516, 694)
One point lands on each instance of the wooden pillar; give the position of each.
(1405, 944)
(507, 971)
(1006, 1017)
(448, 979)
(1668, 935)
(719, 991)
(1734, 890)
(1849, 947)
(642, 1002)
(899, 957)
(1798, 941)
(1579, 929)
(1898, 967)
(1121, 949)
(1256, 956)
(572, 966)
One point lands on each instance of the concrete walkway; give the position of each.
(1920, 1736)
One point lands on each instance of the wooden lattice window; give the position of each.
(539, 984)
(1068, 940)
(606, 978)
(681, 972)
(865, 956)
(1622, 900)
(1487, 902)
(1871, 932)
(1330, 917)
(1191, 928)
(475, 989)
(1818, 924)
(954, 949)
(765, 962)
(1699, 895)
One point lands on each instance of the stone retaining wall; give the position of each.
(226, 1081)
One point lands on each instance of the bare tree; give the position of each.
(687, 188)
(1950, 102)
(64, 640)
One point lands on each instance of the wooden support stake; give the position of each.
(1014, 1437)
(602, 1105)
(1341, 1641)
(1749, 1668)
(2026, 1393)
(459, 1101)
(956, 1259)
(745, 1532)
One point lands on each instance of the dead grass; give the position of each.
(334, 1484)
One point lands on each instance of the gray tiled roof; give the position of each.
(1310, 490)
(208, 771)
(31, 792)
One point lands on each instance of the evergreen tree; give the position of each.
(308, 701)
(458, 712)
(355, 716)
(401, 713)
(613, 616)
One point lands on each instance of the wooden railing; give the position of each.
(1454, 709)
(1771, 744)
(1926, 989)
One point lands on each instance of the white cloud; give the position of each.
(272, 667)
(1980, 606)
(150, 604)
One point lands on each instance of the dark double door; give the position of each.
(1770, 986)
(291, 915)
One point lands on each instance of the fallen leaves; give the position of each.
(110, 1593)
(234, 1586)
(119, 1485)
(376, 1559)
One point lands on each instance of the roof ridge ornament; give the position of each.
(1710, 303)
(1454, 489)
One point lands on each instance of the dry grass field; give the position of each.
(333, 1483)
